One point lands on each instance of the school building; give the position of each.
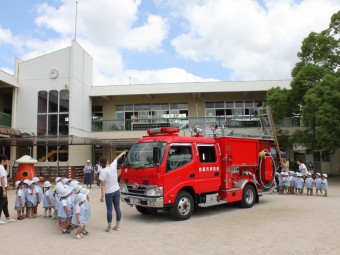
(51, 110)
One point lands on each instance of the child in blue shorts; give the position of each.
(318, 181)
(324, 184)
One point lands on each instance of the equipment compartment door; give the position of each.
(209, 168)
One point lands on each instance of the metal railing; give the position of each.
(182, 123)
(5, 120)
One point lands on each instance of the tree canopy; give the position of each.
(315, 90)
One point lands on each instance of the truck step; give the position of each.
(212, 203)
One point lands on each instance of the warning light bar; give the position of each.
(162, 130)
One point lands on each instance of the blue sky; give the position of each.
(162, 41)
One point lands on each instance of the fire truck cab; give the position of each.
(164, 170)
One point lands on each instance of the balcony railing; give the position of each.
(5, 120)
(240, 121)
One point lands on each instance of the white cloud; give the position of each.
(253, 41)
(147, 37)
(6, 37)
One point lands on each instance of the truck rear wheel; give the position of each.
(143, 210)
(248, 197)
(183, 207)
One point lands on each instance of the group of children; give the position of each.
(294, 183)
(69, 200)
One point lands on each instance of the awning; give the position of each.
(64, 140)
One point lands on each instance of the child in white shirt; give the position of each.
(20, 199)
(48, 200)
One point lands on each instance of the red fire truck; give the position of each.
(164, 170)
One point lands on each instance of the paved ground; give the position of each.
(279, 224)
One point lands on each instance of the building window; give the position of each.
(53, 120)
(233, 113)
(144, 116)
(325, 156)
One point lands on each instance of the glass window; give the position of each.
(155, 107)
(325, 156)
(209, 105)
(165, 106)
(248, 103)
(42, 102)
(129, 107)
(52, 153)
(229, 105)
(42, 124)
(138, 107)
(219, 104)
(238, 111)
(146, 106)
(220, 112)
(239, 104)
(63, 124)
(173, 106)
(53, 124)
(183, 106)
(228, 112)
(64, 101)
(119, 107)
(53, 101)
(63, 153)
(207, 153)
(120, 115)
(41, 153)
(179, 155)
(210, 113)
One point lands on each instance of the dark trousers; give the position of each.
(3, 204)
(113, 199)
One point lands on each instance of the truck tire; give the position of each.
(143, 210)
(248, 197)
(183, 207)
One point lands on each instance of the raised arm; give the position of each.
(121, 155)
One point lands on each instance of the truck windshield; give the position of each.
(145, 155)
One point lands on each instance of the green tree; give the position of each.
(315, 93)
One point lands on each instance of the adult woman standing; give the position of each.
(88, 173)
(110, 190)
(3, 189)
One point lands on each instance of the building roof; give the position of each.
(7, 80)
(188, 87)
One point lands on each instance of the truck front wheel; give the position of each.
(248, 197)
(183, 207)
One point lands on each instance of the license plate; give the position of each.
(134, 201)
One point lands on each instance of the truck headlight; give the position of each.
(123, 188)
(154, 192)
